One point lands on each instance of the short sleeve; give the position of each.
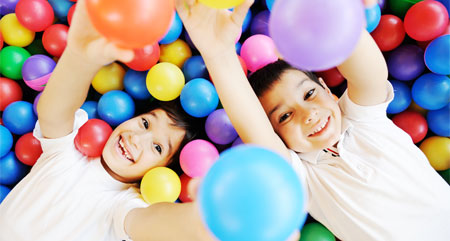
(355, 112)
(54, 145)
(300, 169)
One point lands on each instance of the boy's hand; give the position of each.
(88, 45)
(213, 31)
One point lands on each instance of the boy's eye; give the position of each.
(157, 148)
(309, 94)
(284, 117)
(145, 123)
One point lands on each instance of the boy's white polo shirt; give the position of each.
(379, 186)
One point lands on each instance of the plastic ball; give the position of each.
(184, 194)
(316, 231)
(11, 61)
(115, 107)
(247, 20)
(439, 121)
(431, 91)
(160, 184)
(36, 47)
(54, 39)
(260, 23)
(36, 15)
(14, 33)
(12, 169)
(92, 137)
(402, 98)
(132, 20)
(4, 191)
(35, 103)
(194, 67)
(269, 4)
(437, 150)
(70, 13)
(10, 92)
(406, 62)
(8, 6)
(135, 84)
(145, 58)
(221, 3)
(373, 16)
(447, 4)
(258, 51)
(197, 157)
(243, 65)
(175, 29)
(109, 77)
(6, 140)
(242, 175)
(313, 35)
(426, 20)
(412, 123)
(176, 53)
(400, 7)
(28, 149)
(61, 8)
(91, 109)
(390, 32)
(19, 117)
(199, 98)
(165, 81)
(237, 142)
(219, 129)
(437, 57)
(37, 70)
(332, 77)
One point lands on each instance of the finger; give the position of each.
(183, 7)
(116, 53)
(193, 186)
(295, 236)
(240, 12)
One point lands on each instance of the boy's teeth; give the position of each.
(124, 150)
(320, 128)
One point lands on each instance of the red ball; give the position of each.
(243, 65)
(332, 77)
(412, 123)
(1, 40)
(184, 194)
(70, 13)
(28, 149)
(426, 20)
(35, 15)
(54, 39)
(145, 58)
(92, 137)
(389, 33)
(10, 91)
(132, 23)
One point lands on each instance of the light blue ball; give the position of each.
(135, 84)
(61, 8)
(6, 140)
(431, 91)
(12, 170)
(373, 17)
(19, 117)
(115, 107)
(439, 121)
(91, 109)
(402, 97)
(199, 97)
(252, 193)
(269, 4)
(174, 31)
(3, 192)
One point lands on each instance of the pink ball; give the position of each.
(257, 51)
(197, 157)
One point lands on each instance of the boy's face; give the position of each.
(141, 143)
(305, 115)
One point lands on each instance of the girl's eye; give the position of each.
(284, 117)
(157, 148)
(145, 123)
(309, 94)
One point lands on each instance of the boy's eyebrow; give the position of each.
(278, 106)
(167, 140)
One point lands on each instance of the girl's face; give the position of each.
(304, 114)
(141, 143)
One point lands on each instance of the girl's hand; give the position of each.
(213, 31)
(88, 45)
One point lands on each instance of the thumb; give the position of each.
(193, 186)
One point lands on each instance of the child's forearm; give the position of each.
(64, 93)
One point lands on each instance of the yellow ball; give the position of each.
(222, 3)
(14, 33)
(176, 53)
(160, 184)
(109, 77)
(437, 150)
(165, 81)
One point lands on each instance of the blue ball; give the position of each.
(6, 140)
(115, 107)
(252, 193)
(199, 97)
(373, 16)
(431, 91)
(446, 4)
(91, 109)
(260, 23)
(3, 192)
(238, 47)
(195, 67)
(406, 62)
(247, 20)
(174, 31)
(437, 55)
(12, 170)
(269, 4)
(61, 8)
(135, 85)
(439, 121)
(402, 98)
(19, 117)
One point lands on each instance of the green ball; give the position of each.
(11, 61)
(36, 47)
(400, 7)
(445, 174)
(316, 232)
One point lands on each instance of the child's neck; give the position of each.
(111, 173)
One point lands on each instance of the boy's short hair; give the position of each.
(264, 78)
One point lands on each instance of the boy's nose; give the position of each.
(311, 116)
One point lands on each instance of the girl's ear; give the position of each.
(325, 86)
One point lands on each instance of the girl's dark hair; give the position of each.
(263, 79)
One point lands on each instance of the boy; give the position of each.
(365, 178)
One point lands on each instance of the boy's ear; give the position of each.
(325, 86)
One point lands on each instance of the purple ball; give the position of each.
(406, 62)
(219, 128)
(36, 100)
(7, 6)
(260, 23)
(237, 142)
(37, 66)
(382, 3)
